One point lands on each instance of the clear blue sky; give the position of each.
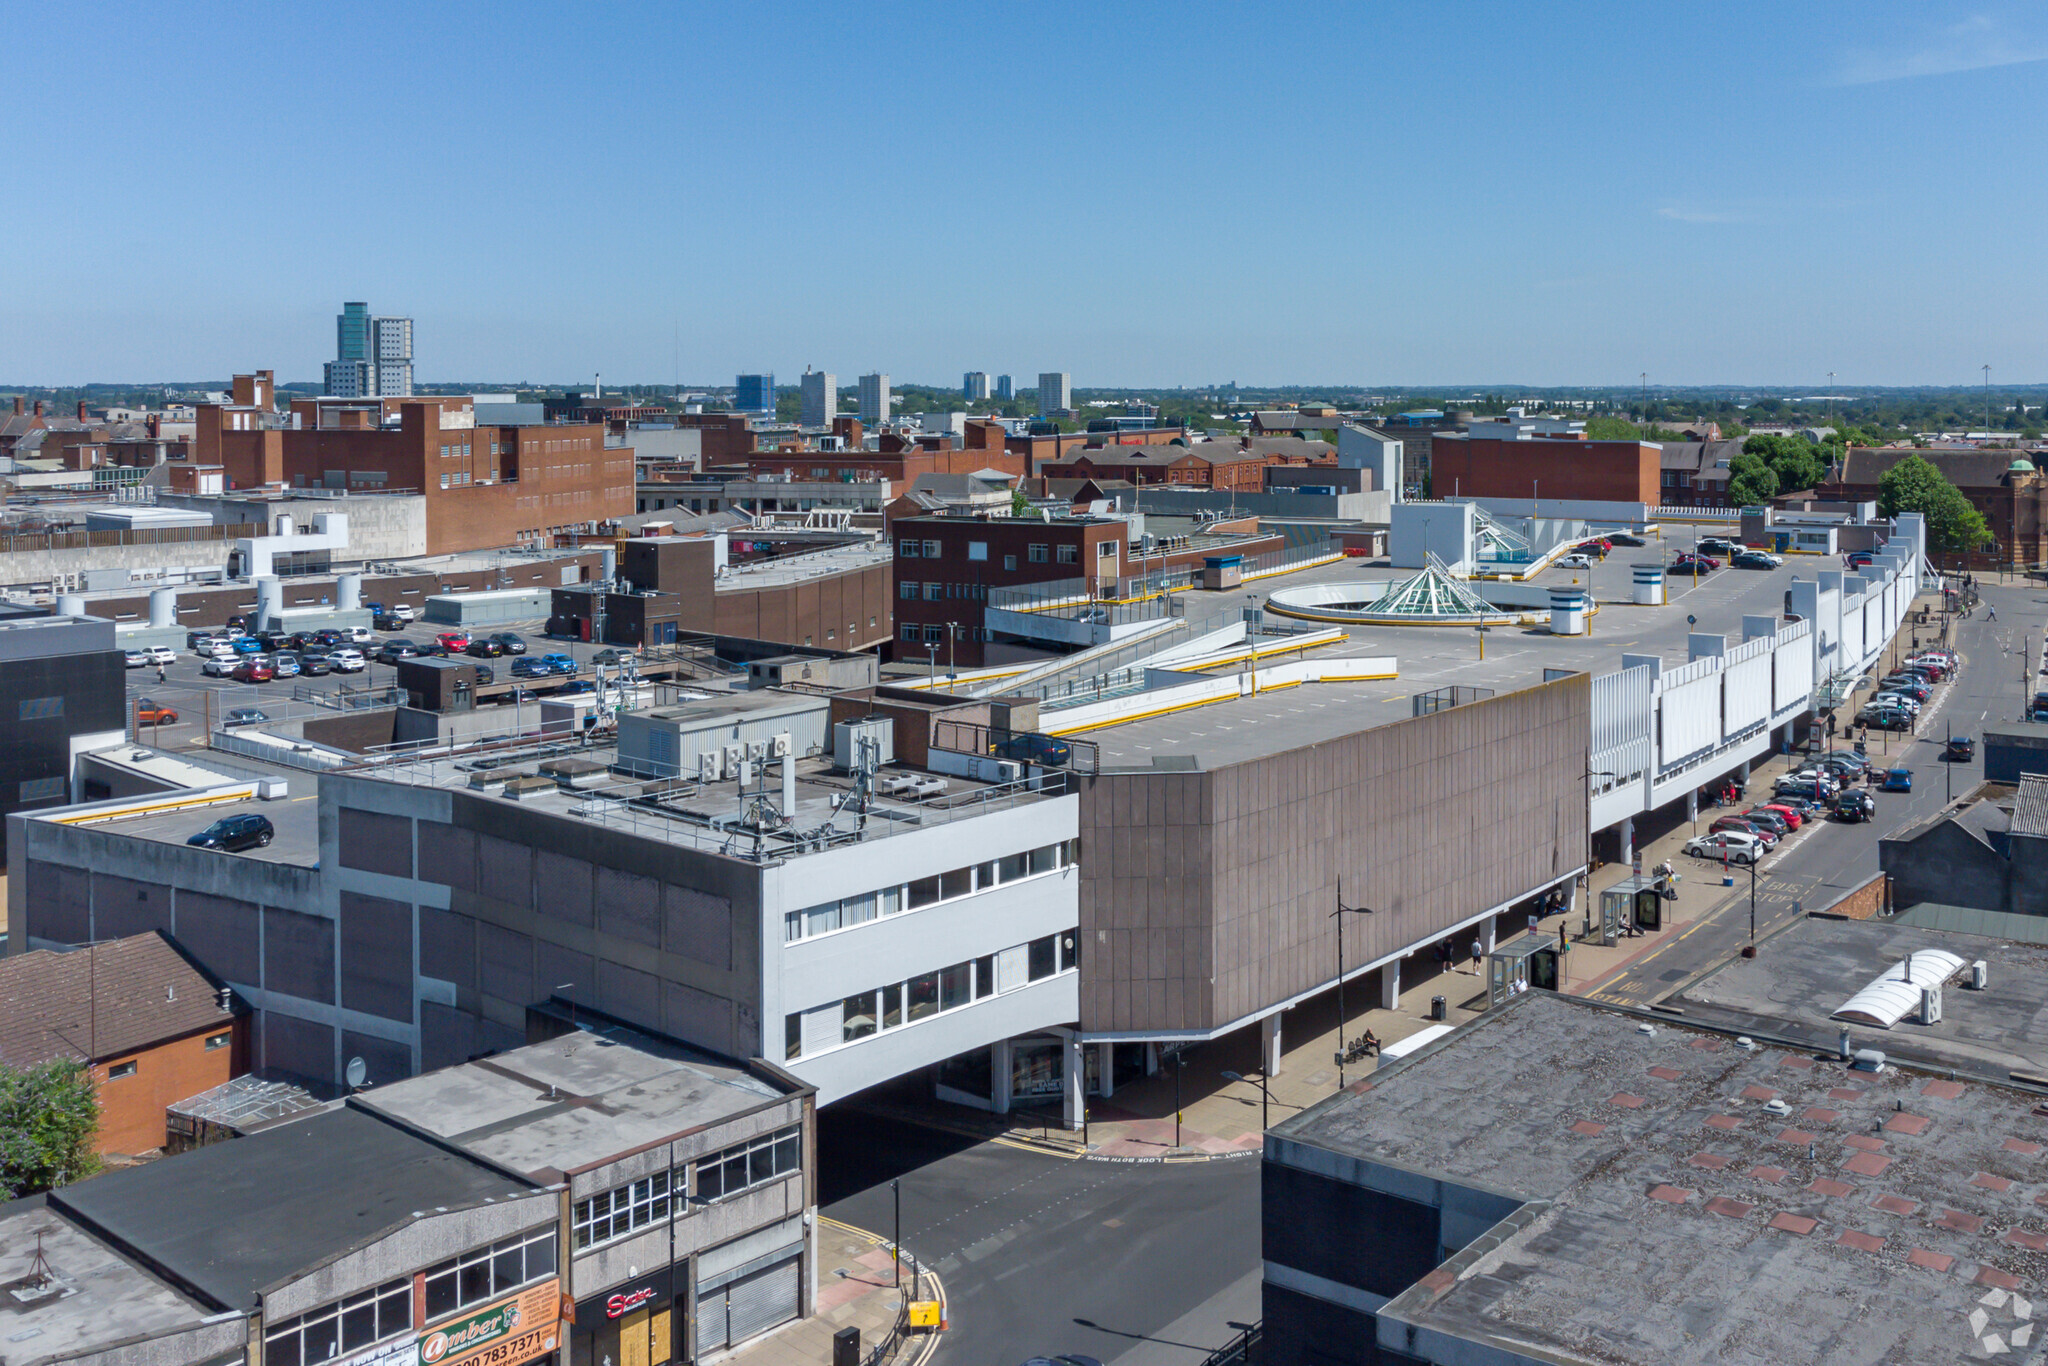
(1360, 193)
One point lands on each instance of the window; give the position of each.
(1070, 951)
(44, 790)
(984, 976)
(907, 631)
(1038, 554)
(120, 1069)
(907, 590)
(345, 1326)
(857, 1017)
(40, 708)
(923, 892)
(1040, 957)
(977, 550)
(933, 550)
(221, 1040)
(924, 996)
(959, 882)
(474, 1277)
(619, 1211)
(1069, 554)
(934, 635)
(956, 985)
(792, 1037)
(1105, 550)
(1009, 562)
(934, 592)
(908, 550)
(750, 1164)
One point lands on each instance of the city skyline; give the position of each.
(1510, 193)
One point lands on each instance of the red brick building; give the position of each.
(1237, 465)
(485, 486)
(1593, 471)
(946, 565)
(146, 1018)
(898, 460)
(2006, 486)
(1038, 451)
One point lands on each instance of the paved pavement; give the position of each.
(1136, 1265)
(858, 1289)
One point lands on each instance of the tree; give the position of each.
(1750, 481)
(1915, 485)
(1797, 464)
(48, 1116)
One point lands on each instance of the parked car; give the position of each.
(1746, 826)
(1755, 559)
(232, 834)
(206, 645)
(1906, 699)
(253, 671)
(576, 687)
(220, 666)
(485, 673)
(1719, 545)
(1784, 811)
(384, 621)
(313, 666)
(194, 636)
(454, 642)
(532, 667)
(358, 635)
(1854, 806)
(1810, 789)
(394, 650)
(1898, 780)
(511, 640)
(1731, 846)
(514, 695)
(284, 664)
(1694, 564)
(161, 655)
(1771, 821)
(1575, 561)
(150, 712)
(238, 623)
(1886, 718)
(134, 659)
(1960, 749)
(560, 663)
(348, 661)
(483, 647)
(1856, 559)
(245, 716)
(247, 645)
(1625, 538)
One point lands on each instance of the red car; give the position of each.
(252, 671)
(1792, 818)
(454, 642)
(1747, 827)
(1687, 563)
(1598, 543)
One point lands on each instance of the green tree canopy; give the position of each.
(1750, 481)
(1797, 464)
(48, 1116)
(1915, 485)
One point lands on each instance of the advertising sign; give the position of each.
(502, 1334)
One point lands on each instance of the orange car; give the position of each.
(152, 713)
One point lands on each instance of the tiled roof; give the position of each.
(108, 1000)
(1972, 469)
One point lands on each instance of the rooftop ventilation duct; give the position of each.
(1897, 994)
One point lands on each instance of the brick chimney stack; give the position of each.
(155, 424)
(81, 410)
(39, 407)
(17, 405)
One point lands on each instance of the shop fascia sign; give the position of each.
(627, 1302)
(469, 1336)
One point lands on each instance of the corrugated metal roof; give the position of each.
(2030, 806)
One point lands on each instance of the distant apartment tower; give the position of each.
(372, 356)
(874, 400)
(1055, 393)
(1004, 389)
(754, 394)
(391, 350)
(821, 398)
(974, 386)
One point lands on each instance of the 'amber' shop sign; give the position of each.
(503, 1334)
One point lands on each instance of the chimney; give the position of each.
(17, 405)
(81, 410)
(39, 407)
(154, 424)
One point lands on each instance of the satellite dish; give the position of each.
(358, 1073)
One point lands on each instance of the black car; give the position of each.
(234, 834)
(1854, 805)
(581, 685)
(312, 666)
(1624, 538)
(1751, 559)
(245, 716)
(484, 647)
(485, 673)
(383, 621)
(510, 641)
(394, 650)
(613, 657)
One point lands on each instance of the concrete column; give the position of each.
(1627, 832)
(999, 1081)
(1692, 803)
(1742, 773)
(1074, 1083)
(1486, 941)
(1105, 1068)
(1269, 1044)
(1390, 985)
(1151, 1059)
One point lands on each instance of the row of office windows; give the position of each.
(903, 1003)
(355, 1322)
(936, 635)
(626, 1209)
(910, 590)
(907, 549)
(460, 448)
(919, 893)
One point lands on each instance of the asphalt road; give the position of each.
(1137, 1264)
(1825, 859)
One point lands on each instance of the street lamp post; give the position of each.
(1338, 916)
(896, 1240)
(1265, 1096)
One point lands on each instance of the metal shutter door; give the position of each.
(711, 1324)
(760, 1301)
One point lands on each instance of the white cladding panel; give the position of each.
(1746, 694)
(1792, 674)
(1692, 719)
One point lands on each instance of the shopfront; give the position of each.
(635, 1323)
(749, 1285)
(521, 1328)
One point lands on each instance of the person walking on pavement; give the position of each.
(1991, 614)
(159, 674)
(1478, 953)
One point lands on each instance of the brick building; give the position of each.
(485, 486)
(897, 460)
(1041, 449)
(152, 1024)
(946, 565)
(2004, 485)
(1589, 471)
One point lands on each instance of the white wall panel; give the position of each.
(1746, 692)
(1691, 718)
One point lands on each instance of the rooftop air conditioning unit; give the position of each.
(709, 766)
(1930, 1005)
(778, 746)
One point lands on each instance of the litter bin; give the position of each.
(1438, 1008)
(846, 1347)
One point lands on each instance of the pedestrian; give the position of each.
(1991, 614)
(1478, 953)
(159, 674)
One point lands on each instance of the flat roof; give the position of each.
(1801, 976)
(1432, 657)
(104, 1299)
(231, 1219)
(295, 819)
(572, 1102)
(1674, 1219)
